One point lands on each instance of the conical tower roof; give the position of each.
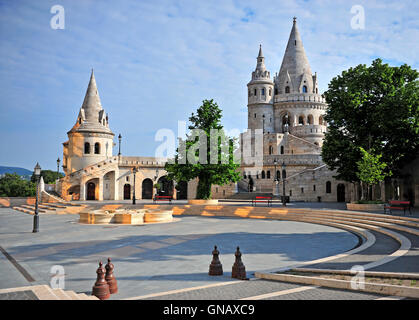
(92, 117)
(295, 62)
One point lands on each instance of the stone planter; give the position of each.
(152, 216)
(203, 202)
(95, 217)
(129, 218)
(365, 207)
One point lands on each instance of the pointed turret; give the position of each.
(295, 69)
(91, 115)
(91, 102)
(260, 60)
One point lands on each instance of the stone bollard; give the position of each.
(238, 270)
(215, 268)
(101, 287)
(110, 277)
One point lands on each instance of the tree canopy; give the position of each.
(12, 185)
(207, 153)
(49, 176)
(376, 108)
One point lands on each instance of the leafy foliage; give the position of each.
(12, 185)
(374, 107)
(211, 163)
(48, 175)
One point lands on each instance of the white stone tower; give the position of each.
(90, 140)
(297, 94)
(260, 97)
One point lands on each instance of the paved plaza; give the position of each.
(171, 260)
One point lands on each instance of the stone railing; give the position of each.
(309, 97)
(308, 129)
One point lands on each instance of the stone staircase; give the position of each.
(42, 292)
(50, 208)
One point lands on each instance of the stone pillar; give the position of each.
(100, 189)
(116, 186)
(82, 190)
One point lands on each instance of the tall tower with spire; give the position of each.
(260, 97)
(90, 140)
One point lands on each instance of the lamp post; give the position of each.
(37, 173)
(284, 202)
(58, 168)
(276, 178)
(134, 170)
(119, 139)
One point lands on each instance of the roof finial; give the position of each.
(294, 20)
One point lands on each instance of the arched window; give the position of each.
(87, 148)
(271, 149)
(255, 92)
(278, 174)
(317, 90)
(310, 119)
(320, 120)
(276, 91)
(263, 91)
(270, 92)
(268, 174)
(79, 120)
(282, 149)
(301, 120)
(328, 187)
(97, 148)
(284, 174)
(305, 89)
(263, 174)
(244, 175)
(287, 89)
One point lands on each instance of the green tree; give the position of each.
(371, 171)
(12, 185)
(376, 108)
(48, 175)
(207, 153)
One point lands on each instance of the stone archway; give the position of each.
(90, 191)
(127, 191)
(182, 190)
(147, 189)
(166, 186)
(340, 192)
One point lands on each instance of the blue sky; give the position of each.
(155, 61)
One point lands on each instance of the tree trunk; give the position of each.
(204, 188)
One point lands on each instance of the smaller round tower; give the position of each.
(90, 140)
(260, 97)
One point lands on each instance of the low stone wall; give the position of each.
(6, 202)
(364, 207)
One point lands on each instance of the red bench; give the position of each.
(257, 199)
(397, 205)
(162, 198)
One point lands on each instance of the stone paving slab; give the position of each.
(19, 295)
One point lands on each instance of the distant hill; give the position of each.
(19, 171)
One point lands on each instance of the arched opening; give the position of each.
(127, 191)
(86, 148)
(321, 120)
(263, 174)
(251, 183)
(147, 189)
(301, 120)
(276, 91)
(304, 89)
(282, 149)
(97, 148)
(341, 192)
(91, 191)
(328, 187)
(271, 150)
(278, 174)
(268, 174)
(310, 119)
(166, 186)
(287, 89)
(284, 174)
(182, 190)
